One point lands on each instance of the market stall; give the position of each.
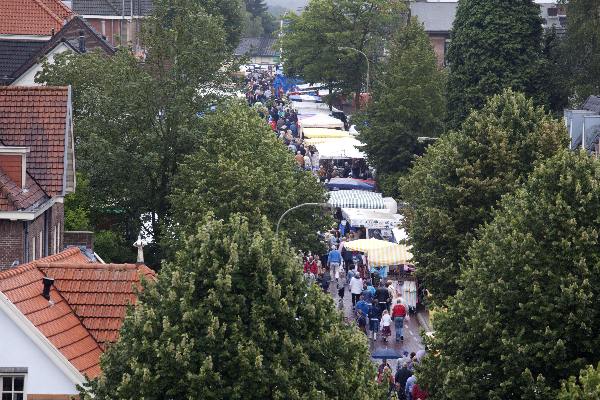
(343, 148)
(321, 121)
(337, 184)
(378, 224)
(356, 199)
(312, 133)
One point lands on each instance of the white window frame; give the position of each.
(41, 245)
(14, 375)
(33, 253)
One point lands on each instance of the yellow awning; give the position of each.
(367, 245)
(380, 252)
(393, 255)
(324, 133)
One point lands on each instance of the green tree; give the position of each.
(312, 41)
(527, 316)
(241, 167)
(233, 318)
(135, 121)
(583, 48)
(495, 45)
(408, 102)
(587, 387)
(453, 188)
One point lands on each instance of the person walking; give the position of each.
(410, 382)
(398, 314)
(334, 260)
(386, 324)
(401, 377)
(382, 295)
(356, 286)
(374, 318)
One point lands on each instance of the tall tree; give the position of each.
(453, 188)
(233, 318)
(583, 48)
(256, 7)
(240, 167)
(134, 121)
(527, 316)
(495, 45)
(408, 102)
(586, 387)
(313, 40)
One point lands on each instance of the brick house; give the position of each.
(57, 315)
(37, 170)
(118, 21)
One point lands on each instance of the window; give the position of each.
(552, 12)
(13, 388)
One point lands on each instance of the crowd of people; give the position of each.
(376, 302)
(403, 384)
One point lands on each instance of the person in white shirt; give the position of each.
(356, 288)
(386, 323)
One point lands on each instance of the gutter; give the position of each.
(30, 215)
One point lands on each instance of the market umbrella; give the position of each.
(386, 353)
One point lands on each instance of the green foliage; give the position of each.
(241, 167)
(408, 102)
(111, 247)
(495, 45)
(135, 121)
(452, 189)
(312, 40)
(583, 48)
(77, 207)
(233, 318)
(587, 387)
(527, 316)
(256, 7)
(253, 26)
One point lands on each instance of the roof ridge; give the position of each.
(88, 266)
(49, 11)
(11, 272)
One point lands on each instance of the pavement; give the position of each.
(412, 328)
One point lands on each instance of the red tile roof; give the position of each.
(33, 17)
(57, 320)
(99, 293)
(12, 198)
(36, 117)
(90, 300)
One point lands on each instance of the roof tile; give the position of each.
(33, 17)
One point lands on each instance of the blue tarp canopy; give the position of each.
(349, 184)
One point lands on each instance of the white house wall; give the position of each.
(28, 78)
(18, 350)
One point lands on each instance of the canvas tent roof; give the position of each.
(321, 121)
(356, 199)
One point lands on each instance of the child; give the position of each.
(386, 322)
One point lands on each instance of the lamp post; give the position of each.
(366, 58)
(323, 205)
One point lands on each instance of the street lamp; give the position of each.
(323, 205)
(366, 58)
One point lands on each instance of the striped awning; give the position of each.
(356, 199)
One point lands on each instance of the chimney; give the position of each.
(81, 42)
(47, 285)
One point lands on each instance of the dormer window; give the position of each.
(13, 163)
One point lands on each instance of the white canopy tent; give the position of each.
(339, 149)
(321, 121)
(371, 219)
(312, 108)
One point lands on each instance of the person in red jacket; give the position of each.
(418, 393)
(398, 315)
(310, 267)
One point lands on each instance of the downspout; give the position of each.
(26, 242)
(46, 233)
